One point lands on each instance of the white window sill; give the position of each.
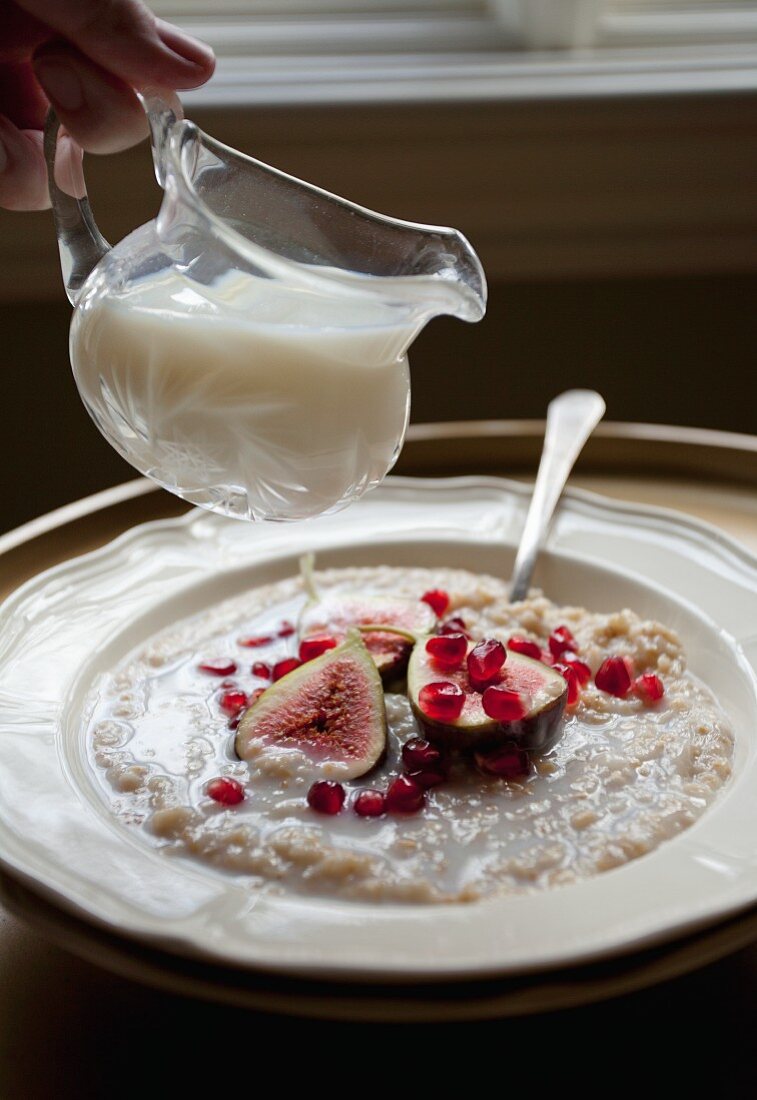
(463, 77)
(437, 55)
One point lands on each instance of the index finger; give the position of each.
(124, 37)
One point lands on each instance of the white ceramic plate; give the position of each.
(64, 627)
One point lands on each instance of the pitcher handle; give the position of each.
(164, 111)
(80, 242)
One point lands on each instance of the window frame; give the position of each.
(449, 50)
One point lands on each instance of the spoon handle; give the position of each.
(571, 418)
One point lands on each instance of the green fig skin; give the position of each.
(474, 730)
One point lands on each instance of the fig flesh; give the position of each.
(544, 693)
(331, 709)
(335, 614)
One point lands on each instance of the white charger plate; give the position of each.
(65, 626)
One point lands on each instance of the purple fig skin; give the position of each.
(538, 732)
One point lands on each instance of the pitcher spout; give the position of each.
(451, 277)
(275, 226)
(444, 278)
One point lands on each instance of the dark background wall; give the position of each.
(619, 237)
(678, 351)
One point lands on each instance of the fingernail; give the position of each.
(61, 82)
(184, 46)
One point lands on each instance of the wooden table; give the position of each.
(70, 1029)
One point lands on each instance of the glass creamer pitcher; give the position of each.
(247, 349)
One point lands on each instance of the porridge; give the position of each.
(259, 738)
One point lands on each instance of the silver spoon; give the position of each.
(571, 418)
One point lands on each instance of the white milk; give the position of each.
(255, 400)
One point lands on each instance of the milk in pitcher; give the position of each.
(246, 396)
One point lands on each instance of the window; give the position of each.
(371, 51)
(467, 24)
(344, 26)
(660, 22)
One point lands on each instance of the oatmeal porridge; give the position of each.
(260, 740)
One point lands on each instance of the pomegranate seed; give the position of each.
(570, 676)
(370, 803)
(221, 666)
(229, 685)
(233, 723)
(613, 676)
(231, 702)
(649, 688)
(326, 797)
(256, 695)
(286, 630)
(522, 645)
(581, 669)
(507, 762)
(447, 650)
(441, 700)
(418, 754)
(281, 668)
(229, 792)
(437, 600)
(261, 669)
(503, 705)
(561, 639)
(455, 625)
(485, 660)
(315, 646)
(255, 642)
(430, 777)
(405, 795)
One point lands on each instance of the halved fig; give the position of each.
(543, 691)
(335, 614)
(331, 709)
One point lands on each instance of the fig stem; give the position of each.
(307, 566)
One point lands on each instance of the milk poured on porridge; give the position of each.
(627, 775)
(247, 396)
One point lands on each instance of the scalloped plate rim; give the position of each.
(595, 501)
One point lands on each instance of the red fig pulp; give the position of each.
(331, 709)
(527, 705)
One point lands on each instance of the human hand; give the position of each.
(85, 57)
